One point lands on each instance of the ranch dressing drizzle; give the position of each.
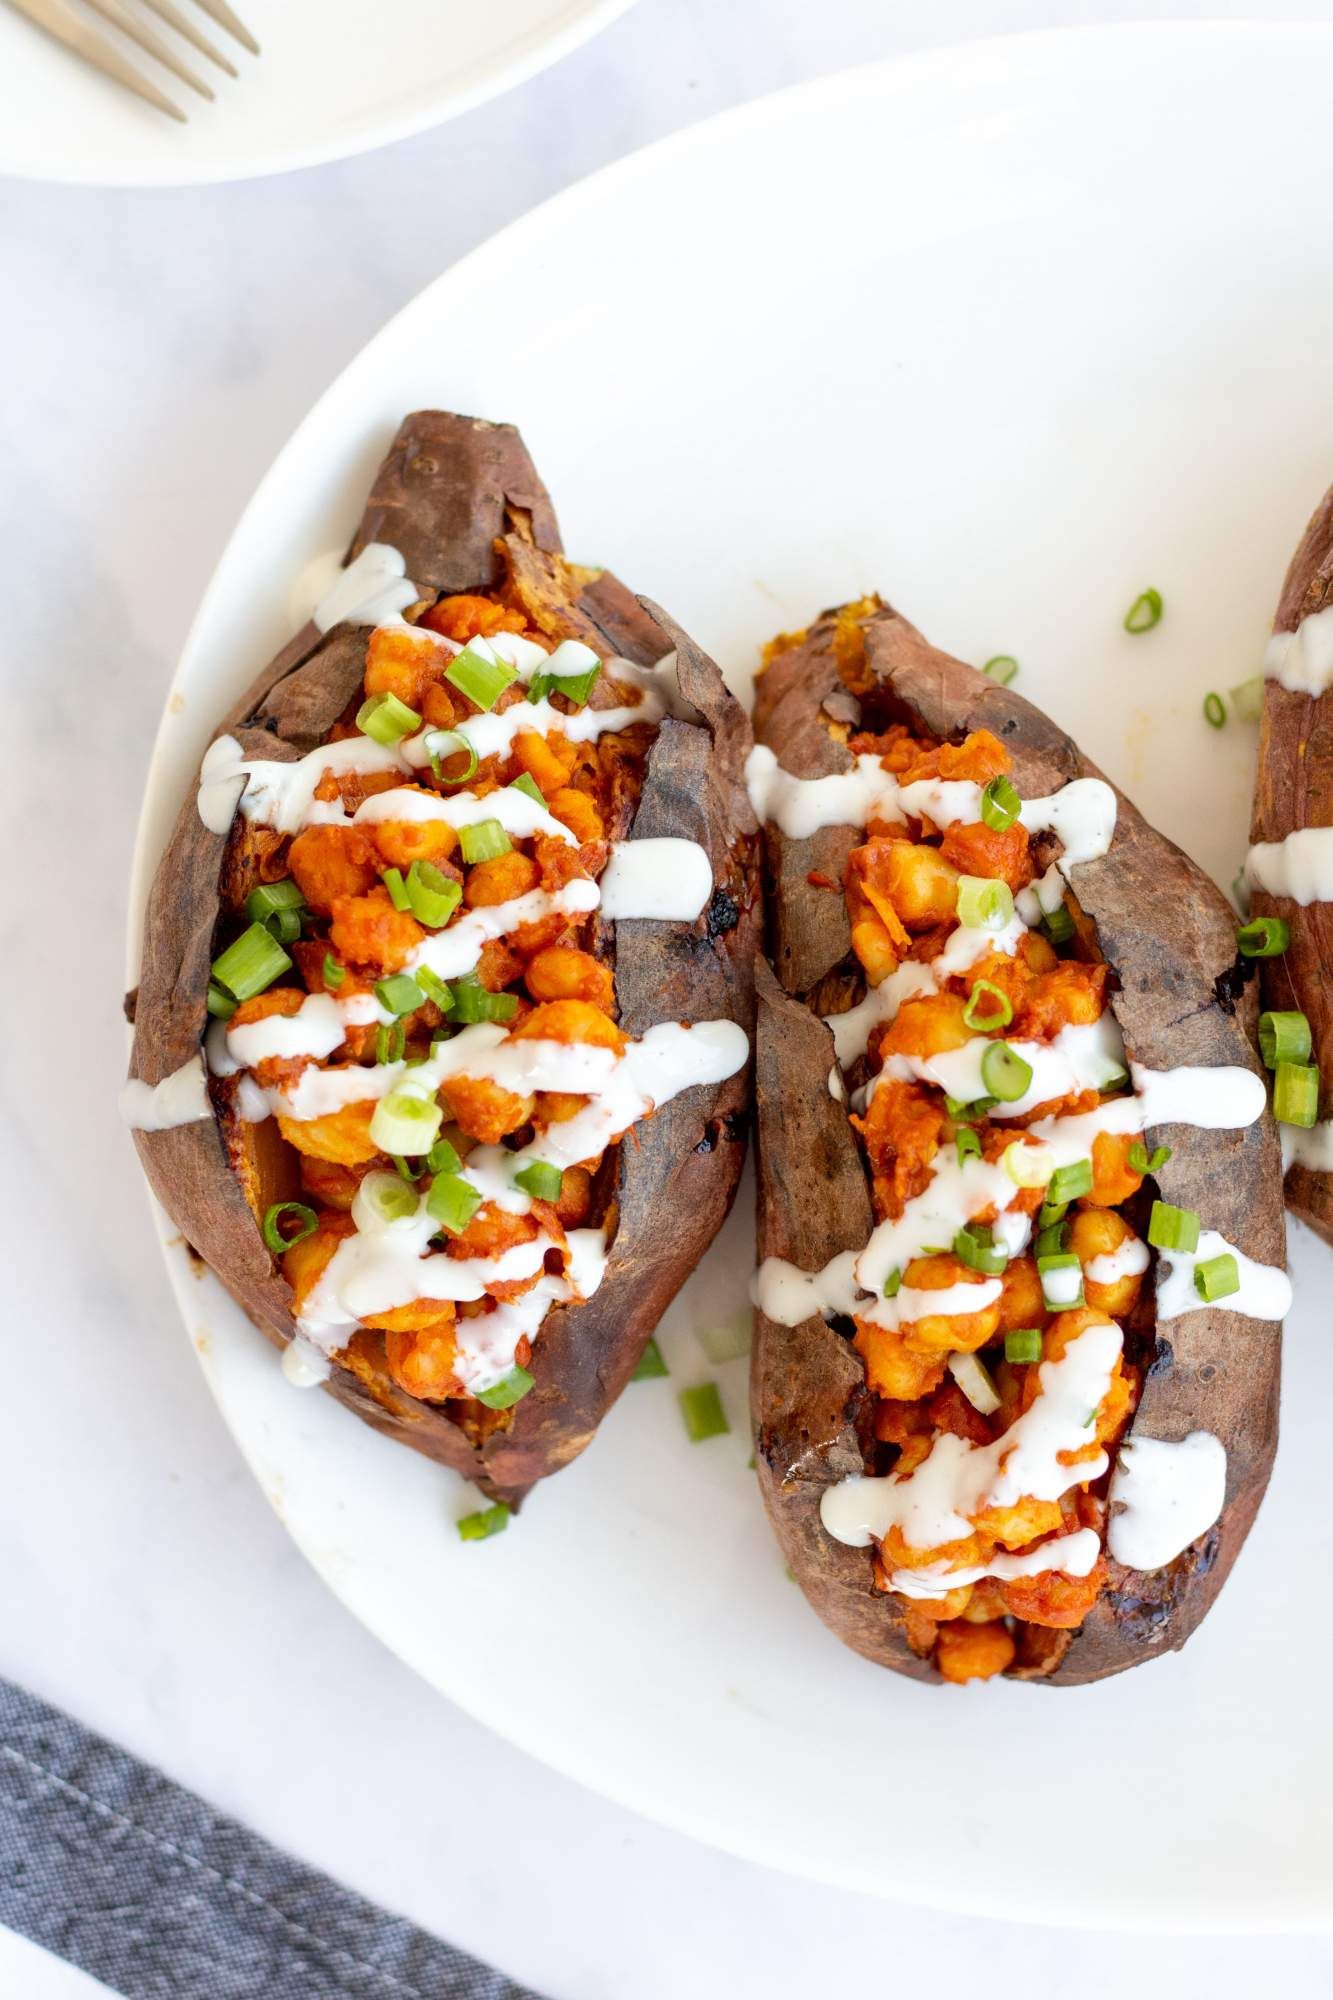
(371, 591)
(519, 814)
(1302, 661)
(179, 1099)
(667, 880)
(1312, 1148)
(1163, 1497)
(1129, 1260)
(958, 1480)
(1072, 1555)
(1090, 1057)
(1300, 867)
(1265, 1292)
(963, 948)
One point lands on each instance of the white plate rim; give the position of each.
(903, 72)
(537, 50)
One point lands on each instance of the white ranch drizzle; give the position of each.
(1128, 1260)
(316, 1030)
(179, 1099)
(303, 1365)
(1164, 1496)
(935, 1504)
(1084, 1057)
(519, 814)
(372, 590)
(963, 948)
(1265, 1292)
(1299, 867)
(1072, 1555)
(670, 881)
(1312, 1149)
(1302, 661)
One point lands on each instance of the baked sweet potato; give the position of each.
(1290, 868)
(444, 1090)
(1014, 1412)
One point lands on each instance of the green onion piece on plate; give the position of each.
(1023, 1344)
(541, 1180)
(1000, 804)
(1217, 1278)
(251, 964)
(1173, 1228)
(386, 720)
(432, 896)
(1284, 1038)
(484, 840)
(650, 1365)
(1296, 1094)
(481, 1526)
(1144, 612)
(1214, 710)
(483, 681)
(1263, 937)
(511, 1388)
(452, 1202)
(1001, 668)
(1005, 1074)
(987, 1008)
(701, 1407)
(278, 1239)
(1247, 698)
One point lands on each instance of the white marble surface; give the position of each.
(157, 348)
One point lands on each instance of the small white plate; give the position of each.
(335, 77)
(1009, 332)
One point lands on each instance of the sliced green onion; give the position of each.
(452, 1202)
(1050, 1240)
(984, 902)
(1028, 1166)
(1263, 937)
(399, 993)
(1296, 1094)
(485, 840)
(386, 720)
(251, 964)
(1058, 924)
(441, 743)
(481, 1526)
(270, 897)
(1144, 612)
(574, 687)
(221, 1004)
(432, 896)
(405, 1123)
(434, 988)
(406, 1170)
(526, 783)
(483, 681)
(541, 1180)
(1061, 1281)
(511, 1388)
(1050, 1213)
(390, 1043)
(987, 1008)
(968, 1144)
(333, 973)
(284, 925)
(1217, 1278)
(1005, 1074)
(442, 1158)
(975, 1380)
(728, 1340)
(650, 1364)
(1214, 710)
(1284, 1038)
(473, 1002)
(1173, 1228)
(390, 1197)
(1000, 804)
(964, 1113)
(1247, 698)
(397, 888)
(1142, 1162)
(307, 1222)
(1068, 1183)
(1002, 668)
(1023, 1343)
(975, 1246)
(702, 1410)
(893, 1284)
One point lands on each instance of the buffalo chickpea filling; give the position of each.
(436, 1039)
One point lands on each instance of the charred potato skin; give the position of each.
(1294, 789)
(450, 492)
(1170, 936)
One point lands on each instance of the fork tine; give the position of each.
(171, 13)
(120, 16)
(56, 20)
(225, 18)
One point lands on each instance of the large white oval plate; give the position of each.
(1008, 332)
(324, 87)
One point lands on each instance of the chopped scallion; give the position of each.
(1247, 698)
(473, 1002)
(1173, 1228)
(541, 1180)
(1217, 1278)
(1296, 1094)
(1001, 668)
(221, 1004)
(893, 1284)
(984, 902)
(1263, 937)
(405, 1123)
(1069, 1183)
(1058, 924)
(1284, 1038)
(251, 964)
(399, 993)
(975, 1246)
(440, 744)
(1144, 612)
(527, 784)
(968, 1144)
(434, 988)
(270, 897)
(1214, 710)
(1005, 1074)
(484, 840)
(650, 1363)
(277, 1239)
(511, 1388)
(1143, 1162)
(386, 720)
(432, 895)
(481, 1526)
(333, 973)
(482, 680)
(452, 1202)
(397, 888)
(1061, 1281)
(987, 1008)
(1023, 1344)
(701, 1407)
(1000, 804)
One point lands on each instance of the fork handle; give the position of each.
(56, 19)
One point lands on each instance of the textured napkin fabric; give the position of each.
(108, 1864)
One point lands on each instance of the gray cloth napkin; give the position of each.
(108, 1864)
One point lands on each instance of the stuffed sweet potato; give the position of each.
(1015, 1371)
(468, 893)
(1290, 871)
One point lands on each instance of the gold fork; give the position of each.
(63, 20)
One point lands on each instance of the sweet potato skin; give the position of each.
(1294, 789)
(1170, 936)
(450, 490)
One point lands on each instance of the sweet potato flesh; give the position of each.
(901, 889)
(352, 925)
